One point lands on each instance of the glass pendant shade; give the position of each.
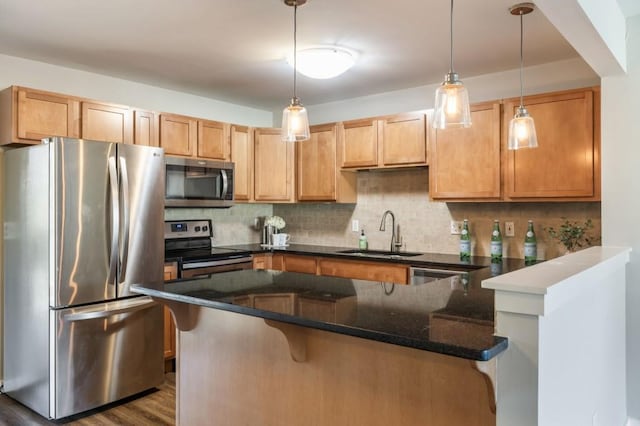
(522, 131)
(295, 123)
(452, 104)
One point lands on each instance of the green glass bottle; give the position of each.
(530, 245)
(465, 241)
(496, 243)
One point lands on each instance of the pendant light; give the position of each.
(452, 99)
(295, 123)
(522, 130)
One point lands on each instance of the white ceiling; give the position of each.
(234, 50)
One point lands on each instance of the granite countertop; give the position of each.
(453, 316)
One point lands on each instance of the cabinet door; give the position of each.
(316, 158)
(106, 122)
(242, 157)
(213, 140)
(169, 335)
(404, 140)
(360, 143)
(304, 264)
(178, 134)
(273, 179)
(42, 114)
(566, 162)
(145, 128)
(372, 271)
(465, 163)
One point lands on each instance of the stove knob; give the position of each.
(205, 228)
(197, 229)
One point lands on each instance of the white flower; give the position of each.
(275, 221)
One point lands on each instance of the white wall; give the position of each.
(39, 75)
(568, 74)
(621, 191)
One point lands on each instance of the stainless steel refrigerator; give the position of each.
(83, 220)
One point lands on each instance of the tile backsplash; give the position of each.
(425, 224)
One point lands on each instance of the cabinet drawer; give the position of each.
(305, 264)
(371, 271)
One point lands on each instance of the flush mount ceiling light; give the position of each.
(295, 122)
(522, 130)
(324, 61)
(452, 99)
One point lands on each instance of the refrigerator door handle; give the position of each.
(225, 184)
(106, 313)
(115, 220)
(124, 173)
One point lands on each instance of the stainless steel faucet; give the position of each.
(396, 241)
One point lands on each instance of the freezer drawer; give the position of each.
(104, 352)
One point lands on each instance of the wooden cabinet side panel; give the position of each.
(242, 157)
(42, 114)
(391, 273)
(212, 140)
(317, 165)
(563, 164)
(465, 163)
(178, 134)
(404, 140)
(360, 143)
(105, 122)
(273, 178)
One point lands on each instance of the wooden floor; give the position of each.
(156, 407)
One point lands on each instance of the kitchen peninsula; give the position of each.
(271, 347)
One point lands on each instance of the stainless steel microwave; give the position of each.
(198, 183)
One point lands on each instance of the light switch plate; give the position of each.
(355, 225)
(456, 227)
(509, 229)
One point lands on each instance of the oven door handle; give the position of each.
(225, 183)
(210, 263)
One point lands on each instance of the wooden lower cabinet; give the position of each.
(170, 273)
(327, 310)
(333, 267)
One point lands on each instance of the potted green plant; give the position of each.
(573, 235)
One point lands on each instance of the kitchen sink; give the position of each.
(379, 253)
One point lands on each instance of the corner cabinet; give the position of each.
(242, 157)
(273, 167)
(318, 176)
(383, 142)
(28, 115)
(465, 162)
(566, 163)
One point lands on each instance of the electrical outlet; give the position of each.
(355, 225)
(456, 227)
(509, 229)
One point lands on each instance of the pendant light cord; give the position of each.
(521, 57)
(451, 39)
(295, 30)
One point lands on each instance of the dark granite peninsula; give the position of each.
(270, 347)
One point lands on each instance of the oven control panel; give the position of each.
(175, 229)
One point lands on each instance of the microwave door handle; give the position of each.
(124, 173)
(225, 183)
(114, 219)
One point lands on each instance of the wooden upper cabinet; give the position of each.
(242, 157)
(28, 115)
(404, 140)
(316, 159)
(107, 122)
(273, 166)
(360, 143)
(213, 140)
(465, 162)
(392, 141)
(145, 128)
(566, 163)
(178, 134)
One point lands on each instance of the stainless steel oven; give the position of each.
(189, 243)
(198, 183)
